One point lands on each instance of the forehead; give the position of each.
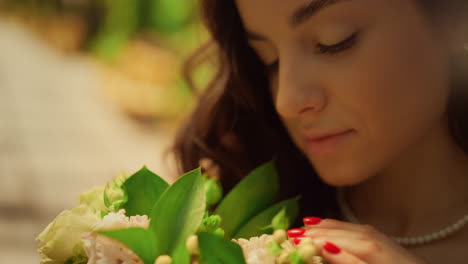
(281, 15)
(259, 13)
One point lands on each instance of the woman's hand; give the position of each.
(346, 243)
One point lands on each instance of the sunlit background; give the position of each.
(88, 89)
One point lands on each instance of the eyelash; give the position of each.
(341, 46)
(325, 49)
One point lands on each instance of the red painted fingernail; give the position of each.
(295, 232)
(311, 220)
(331, 248)
(298, 239)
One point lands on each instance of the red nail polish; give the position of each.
(295, 232)
(331, 248)
(311, 220)
(298, 239)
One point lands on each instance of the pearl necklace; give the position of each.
(406, 240)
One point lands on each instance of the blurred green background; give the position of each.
(145, 41)
(88, 89)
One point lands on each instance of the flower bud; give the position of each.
(192, 245)
(163, 259)
(306, 241)
(279, 236)
(307, 252)
(211, 224)
(280, 220)
(283, 258)
(213, 191)
(219, 232)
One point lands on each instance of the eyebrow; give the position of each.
(301, 15)
(307, 11)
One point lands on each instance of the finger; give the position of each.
(314, 222)
(365, 250)
(335, 255)
(365, 230)
(297, 234)
(317, 232)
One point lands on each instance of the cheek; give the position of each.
(273, 84)
(393, 104)
(407, 91)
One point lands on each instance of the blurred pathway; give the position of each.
(58, 138)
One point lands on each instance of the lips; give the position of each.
(323, 135)
(326, 144)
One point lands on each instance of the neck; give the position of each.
(423, 191)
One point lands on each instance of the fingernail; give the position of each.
(295, 232)
(298, 239)
(331, 248)
(311, 220)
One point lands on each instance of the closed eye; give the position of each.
(347, 43)
(272, 67)
(338, 47)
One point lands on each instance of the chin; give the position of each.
(341, 177)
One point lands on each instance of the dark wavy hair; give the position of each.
(236, 125)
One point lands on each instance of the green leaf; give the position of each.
(143, 189)
(140, 241)
(107, 202)
(181, 255)
(178, 213)
(254, 226)
(248, 198)
(215, 249)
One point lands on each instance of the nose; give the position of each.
(299, 89)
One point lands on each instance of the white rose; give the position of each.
(59, 241)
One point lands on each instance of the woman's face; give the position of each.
(371, 67)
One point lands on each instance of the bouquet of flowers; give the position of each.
(142, 219)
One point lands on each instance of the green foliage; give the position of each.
(252, 195)
(179, 210)
(178, 213)
(181, 255)
(270, 219)
(215, 249)
(141, 241)
(143, 190)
